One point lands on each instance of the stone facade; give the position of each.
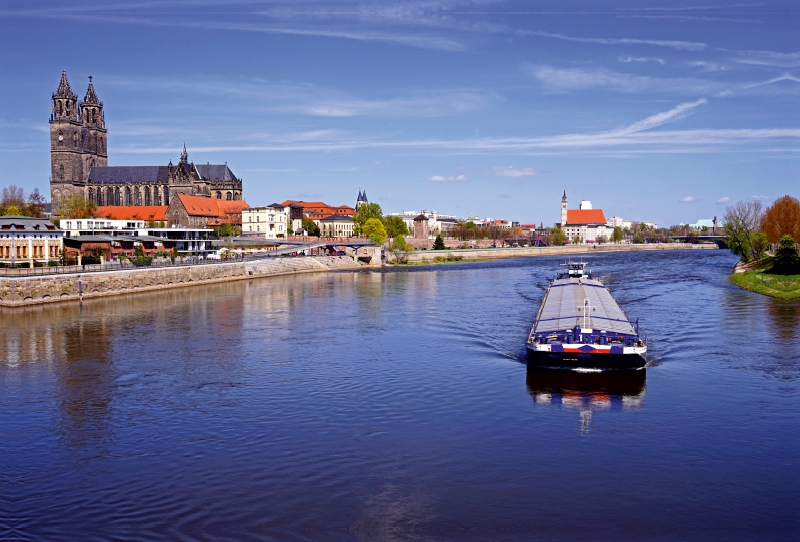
(79, 162)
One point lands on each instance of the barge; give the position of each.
(580, 325)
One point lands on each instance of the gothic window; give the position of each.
(147, 195)
(116, 197)
(228, 196)
(91, 194)
(156, 196)
(100, 147)
(110, 196)
(127, 196)
(166, 196)
(61, 173)
(99, 197)
(136, 197)
(75, 139)
(219, 195)
(237, 196)
(175, 218)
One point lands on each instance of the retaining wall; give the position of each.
(492, 253)
(18, 292)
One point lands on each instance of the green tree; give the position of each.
(395, 226)
(400, 249)
(310, 227)
(35, 205)
(226, 230)
(76, 206)
(438, 243)
(373, 229)
(617, 236)
(742, 220)
(760, 244)
(557, 237)
(12, 210)
(787, 259)
(364, 214)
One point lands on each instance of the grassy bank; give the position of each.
(780, 286)
(439, 260)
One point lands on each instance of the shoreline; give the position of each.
(753, 278)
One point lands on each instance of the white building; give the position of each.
(188, 241)
(269, 222)
(437, 222)
(335, 226)
(583, 225)
(29, 239)
(73, 227)
(618, 222)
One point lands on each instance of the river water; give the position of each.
(396, 406)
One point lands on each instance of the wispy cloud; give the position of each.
(687, 199)
(760, 198)
(723, 200)
(629, 59)
(768, 58)
(673, 44)
(443, 179)
(511, 171)
(708, 66)
(785, 77)
(556, 79)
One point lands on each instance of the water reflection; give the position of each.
(586, 392)
(785, 318)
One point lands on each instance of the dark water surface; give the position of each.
(394, 406)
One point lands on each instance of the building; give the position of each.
(618, 222)
(75, 227)
(269, 222)
(335, 226)
(437, 223)
(584, 225)
(79, 162)
(199, 211)
(421, 228)
(29, 239)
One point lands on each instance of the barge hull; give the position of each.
(586, 361)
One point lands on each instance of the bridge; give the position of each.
(719, 240)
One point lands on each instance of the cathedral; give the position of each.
(79, 162)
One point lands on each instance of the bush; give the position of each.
(786, 260)
(90, 260)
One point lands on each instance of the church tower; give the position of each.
(66, 164)
(94, 129)
(564, 209)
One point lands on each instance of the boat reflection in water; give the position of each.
(587, 390)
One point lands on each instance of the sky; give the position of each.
(655, 111)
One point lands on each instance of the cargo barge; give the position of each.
(580, 325)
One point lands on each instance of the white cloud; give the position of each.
(681, 45)
(769, 58)
(569, 79)
(760, 198)
(688, 199)
(629, 59)
(443, 179)
(511, 171)
(708, 66)
(723, 200)
(785, 77)
(676, 113)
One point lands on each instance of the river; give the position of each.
(395, 406)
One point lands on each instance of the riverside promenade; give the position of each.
(35, 290)
(422, 256)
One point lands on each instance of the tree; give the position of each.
(601, 239)
(786, 260)
(395, 226)
(12, 210)
(782, 218)
(400, 249)
(310, 227)
(374, 230)
(438, 243)
(741, 222)
(76, 206)
(225, 230)
(617, 236)
(364, 214)
(12, 195)
(557, 237)
(760, 244)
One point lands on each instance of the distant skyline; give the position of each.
(654, 111)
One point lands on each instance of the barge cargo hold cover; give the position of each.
(580, 325)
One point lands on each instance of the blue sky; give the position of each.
(661, 111)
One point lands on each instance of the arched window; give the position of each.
(61, 173)
(219, 195)
(147, 195)
(99, 197)
(137, 199)
(228, 196)
(127, 196)
(156, 196)
(75, 139)
(166, 196)
(116, 197)
(100, 147)
(91, 194)
(175, 218)
(237, 196)
(109, 196)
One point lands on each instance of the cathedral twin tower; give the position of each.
(79, 162)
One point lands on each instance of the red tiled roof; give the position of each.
(320, 207)
(586, 216)
(211, 207)
(132, 212)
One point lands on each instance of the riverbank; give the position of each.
(25, 291)
(429, 256)
(756, 279)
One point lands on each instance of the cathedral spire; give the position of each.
(91, 96)
(64, 90)
(184, 155)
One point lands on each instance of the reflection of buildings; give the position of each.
(587, 391)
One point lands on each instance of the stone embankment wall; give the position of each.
(18, 292)
(492, 253)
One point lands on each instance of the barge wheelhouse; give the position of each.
(580, 325)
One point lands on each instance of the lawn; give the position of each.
(780, 286)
